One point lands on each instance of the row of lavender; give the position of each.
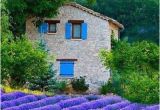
(22, 101)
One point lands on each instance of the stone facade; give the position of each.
(85, 51)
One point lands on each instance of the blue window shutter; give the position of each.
(66, 68)
(68, 30)
(43, 28)
(84, 31)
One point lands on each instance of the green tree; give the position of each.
(21, 59)
(129, 64)
(21, 10)
(139, 17)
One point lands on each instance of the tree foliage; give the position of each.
(23, 60)
(21, 10)
(139, 17)
(133, 66)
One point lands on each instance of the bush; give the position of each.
(61, 86)
(133, 67)
(79, 84)
(142, 88)
(22, 61)
(106, 88)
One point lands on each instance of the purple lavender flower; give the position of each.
(75, 108)
(41, 97)
(72, 102)
(1, 92)
(49, 107)
(11, 96)
(92, 97)
(6, 104)
(153, 107)
(117, 106)
(19, 101)
(97, 103)
(133, 106)
(40, 103)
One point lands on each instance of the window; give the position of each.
(52, 25)
(76, 28)
(67, 67)
(52, 28)
(76, 31)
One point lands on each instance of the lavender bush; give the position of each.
(19, 101)
(117, 106)
(97, 103)
(22, 101)
(40, 103)
(92, 97)
(49, 107)
(41, 97)
(154, 107)
(12, 96)
(133, 106)
(72, 102)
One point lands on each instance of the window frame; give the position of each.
(62, 61)
(76, 37)
(52, 22)
(75, 22)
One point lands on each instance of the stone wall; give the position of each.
(115, 30)
(86, 51)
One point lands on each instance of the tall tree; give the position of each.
(139, 17)
(21, 10)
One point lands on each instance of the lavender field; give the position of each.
(23, 101)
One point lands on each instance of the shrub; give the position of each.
(104, 88)
(72, 102)
(39, 103)
(18, 101)
(92, 97)
(95, 104)
(9, 89)
(133, 67)
(22, 61)
(79, 84)
(61, 86)
(117, 106)
(142, 88)
(11, 96)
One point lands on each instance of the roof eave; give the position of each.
(96, 14)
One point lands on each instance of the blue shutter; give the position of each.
(68, 30)
(66, 68)
(43, 28)
(84, 31)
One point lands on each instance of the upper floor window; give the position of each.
(76, 31)
(52, 25)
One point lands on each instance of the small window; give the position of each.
(76, 31)
(67, 67)
(52, 25)
(76, 28)
(52, 28)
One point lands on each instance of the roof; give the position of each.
(95, 14)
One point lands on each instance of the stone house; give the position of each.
(75, 36)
